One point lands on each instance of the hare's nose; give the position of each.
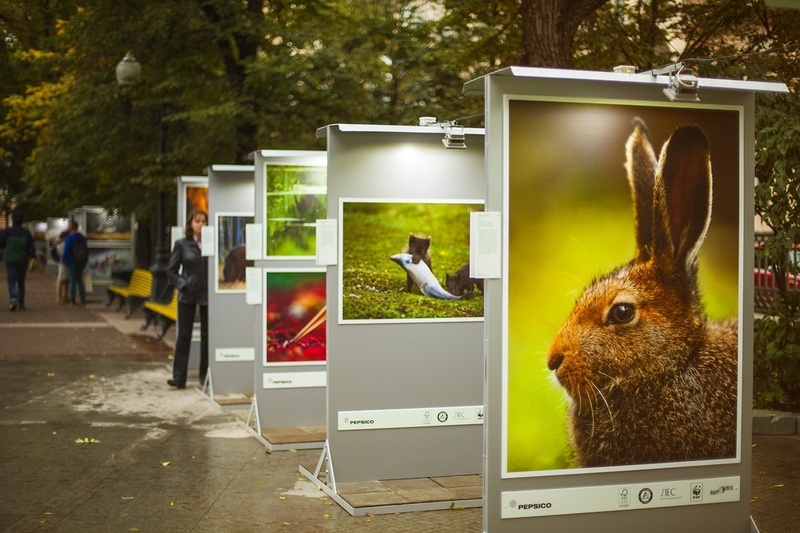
(554, 360)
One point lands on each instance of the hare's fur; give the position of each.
(649, 377)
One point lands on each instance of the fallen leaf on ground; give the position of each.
(165, 463)
(127, 497)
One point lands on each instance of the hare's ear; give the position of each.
(682, 196)
(641, 165)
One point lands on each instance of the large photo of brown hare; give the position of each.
(622, 288)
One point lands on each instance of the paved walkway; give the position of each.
(92, 439)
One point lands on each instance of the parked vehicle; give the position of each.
(767, 279)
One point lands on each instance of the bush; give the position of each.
(777, 200)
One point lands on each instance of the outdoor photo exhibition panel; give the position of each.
(110, 237)
(192, 194)
(290, 347)
(230, 319)
(405, 362)
(612, 403)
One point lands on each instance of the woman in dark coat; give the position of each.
(192, 285)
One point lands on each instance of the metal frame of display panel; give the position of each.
(230, 319)
(286, 395)
(404, 400)
(685, 496)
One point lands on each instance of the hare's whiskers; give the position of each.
(612, 378)
(591, 410)
(610, 414)
(580, 392)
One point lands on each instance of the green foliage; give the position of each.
(777, 346)
(223, 78)
(296, 199)
(625, 33)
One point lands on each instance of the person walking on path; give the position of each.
(19, 253)
(192, 285)
(62, 278)
(75, 257)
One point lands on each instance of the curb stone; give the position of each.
(775, 423)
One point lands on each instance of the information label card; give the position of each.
(231, 355)
(295, 380)
(531, 503)
(253, 277)
(252, 240)
(485, 238)
(326, 241)
(411, 418)
(209, 237)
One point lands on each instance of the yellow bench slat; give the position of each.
(140, 285)
(169, 310)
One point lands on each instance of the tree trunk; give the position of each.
(548, 29)
(143, 252)
(236, 54)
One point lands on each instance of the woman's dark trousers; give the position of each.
(183, 343)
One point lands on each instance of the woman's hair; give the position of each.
(187, 231)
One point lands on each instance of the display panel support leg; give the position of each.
(328, 488)
(207, 389)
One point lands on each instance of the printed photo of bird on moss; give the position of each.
(407, 261)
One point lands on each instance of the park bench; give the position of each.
(166, 314)
(134, 293)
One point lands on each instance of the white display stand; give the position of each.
(111, 242)
(556, 145)
(288, 407)
(229, 382)
(404, 396)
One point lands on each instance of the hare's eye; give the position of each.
(621, 313)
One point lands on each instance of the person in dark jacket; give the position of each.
(192, 285)
(74, 270)
(19, 253)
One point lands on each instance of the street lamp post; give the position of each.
(128, 72)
